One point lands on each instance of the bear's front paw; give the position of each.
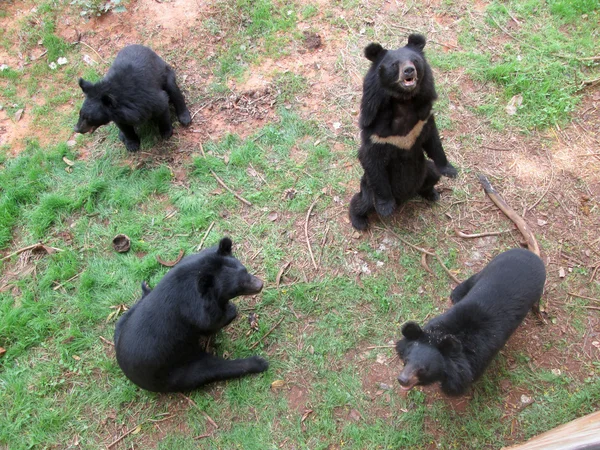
(432, 195)
(131, 146)
(184, 118)
(448, 171)
(166, 134)
(385, 207)
(256, 364)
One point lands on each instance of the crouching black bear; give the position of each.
(137, 88)
(157, 340)
(456, 347)
(397, 125)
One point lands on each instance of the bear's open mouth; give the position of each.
(92, 129)
(409, 82)
(408, 386)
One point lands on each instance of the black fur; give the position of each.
(157, 340)
(398, 94)
(456, 347)
(137, 88)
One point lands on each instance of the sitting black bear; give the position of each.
(456, 347)
(397, 125)
(137, 88)
(157, 340)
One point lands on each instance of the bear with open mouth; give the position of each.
(398, 129)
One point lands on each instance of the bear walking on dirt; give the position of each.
(456, 347)
(397, 126)
(138, 87)
(157, 340)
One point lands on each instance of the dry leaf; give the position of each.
(76, 358)
(273, 216)
(514, 104)
(561, 272)
(2, 351)
(277, 384)
(137, 429)
(18, 115)
(68, 162)
(307, 413)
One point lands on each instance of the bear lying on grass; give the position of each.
(137, 88)
(157, 340)
(456, 347)
(397, 126)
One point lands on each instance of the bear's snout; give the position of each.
(253, 286)
(408, 379)
(408, 75)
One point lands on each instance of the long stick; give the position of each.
(222, 183)
(511, 214)
(30, 247)
(312, 257)
(435, 255)
(268, 333)
(477, 235)
(205, 236)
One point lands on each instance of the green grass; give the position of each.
(59, 381)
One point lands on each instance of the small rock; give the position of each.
(381, 359)
(62, 61)
(561, 272)
(337, 125)
(556, 372)
(71, 143)
(52, 65)
(541, 222)
(525, 399)
(384, 387)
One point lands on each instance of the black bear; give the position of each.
(456, 347)
(157, 340)
(397, 125)
(137, 88)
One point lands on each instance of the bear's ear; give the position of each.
(412, 331)
(416, 41)
(109, 100)
(449, 345)
(372, 51)
(225, 247)
(85, 85)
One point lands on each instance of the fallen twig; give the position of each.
(92, 49)
(266, 334)
(202, 436)
(281, 272)
(123, 436)
(511, 214)
(450, 274)
(194, 404)
(478, 235)
(171, 263)
(572, 294)
(31, 247)
(424, 263)
(106, 341)
(312, 257)
(372, 347)
(205, 236)
(222, 183)
(58, 286)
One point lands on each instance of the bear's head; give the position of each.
(401, 72)
(96, 107)
(223, 276)
(424, 357)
